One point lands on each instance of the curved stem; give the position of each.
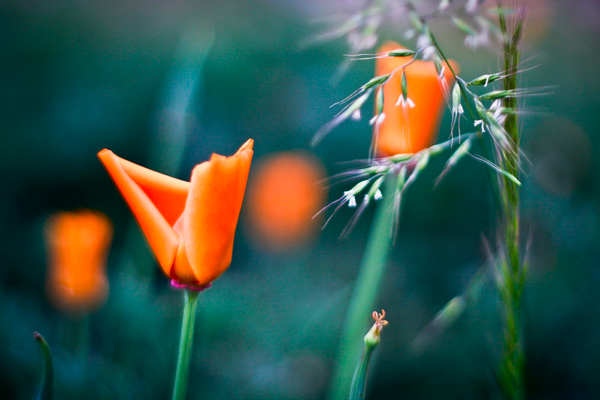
(359, 382)
(185, 344)
(46, 388)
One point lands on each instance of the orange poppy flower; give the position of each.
(190, 226)
(77, 246)
(283, 199)
(409, 126)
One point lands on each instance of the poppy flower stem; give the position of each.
(368, 284)
(185, 344)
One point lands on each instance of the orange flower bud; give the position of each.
(410, 125)
(77, 246)
(284, 198)
(190, 226)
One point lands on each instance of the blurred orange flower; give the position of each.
(409, 126)
(190, 225)
(77, 245)
(283, 199)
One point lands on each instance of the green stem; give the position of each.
(185, 344)
(359, 382)
(368, 284)
(512, 272)
(46, 389)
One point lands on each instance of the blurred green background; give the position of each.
(165, 84)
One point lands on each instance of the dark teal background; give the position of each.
(76, 77)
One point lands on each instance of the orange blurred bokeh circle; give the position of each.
(77, 245)
(284, 197)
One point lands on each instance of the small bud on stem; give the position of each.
(357, 390)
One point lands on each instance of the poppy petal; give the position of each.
(246, 146)
(212, 210)
(129, 179)
(181, 270)
(168, 194)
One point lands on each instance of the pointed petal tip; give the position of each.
(103, 153)
(249, 145)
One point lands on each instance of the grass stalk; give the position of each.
(512, 273)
